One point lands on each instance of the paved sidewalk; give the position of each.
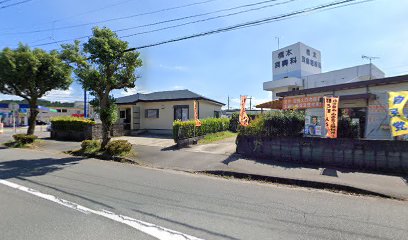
(187, 160)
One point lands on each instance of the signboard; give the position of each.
(296, 60)
(302, 102)
(396, 104)
(197, 121)
(313, 126)
(331, 111)
(243, 117)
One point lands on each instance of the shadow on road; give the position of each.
(36, 167)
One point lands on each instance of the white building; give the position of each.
(363, 91)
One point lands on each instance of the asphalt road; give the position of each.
(201, 206)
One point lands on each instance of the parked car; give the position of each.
(39, 122)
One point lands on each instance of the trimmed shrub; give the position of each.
(24, 138)
(183, 130)
(118, 147)
(276, 124)
(90, 146)
(70, 123)
(234, 121)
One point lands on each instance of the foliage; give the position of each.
(24, 139)
(234, 122)
(187, 129)
(347, 129)
(90, 146)
(214, 137)
(277, 124)
(103, 64)
(64, 123)
(30, 74)
(118, 147)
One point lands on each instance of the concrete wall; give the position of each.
(371, 155)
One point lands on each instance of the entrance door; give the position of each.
(136, 118)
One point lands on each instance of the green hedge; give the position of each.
(90, 146)
(183, 130)
(234, 121)
(70, 123)
(276, 124)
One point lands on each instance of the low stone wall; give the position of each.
(90, 132)
(371, 155)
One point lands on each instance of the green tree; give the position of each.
(30, 74)
(103, 64)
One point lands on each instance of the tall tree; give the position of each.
(103, 64)
(31, 74)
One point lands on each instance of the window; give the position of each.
(217, 114)
(122, 114)
(152, 113)
(181, 112)
(64, 110)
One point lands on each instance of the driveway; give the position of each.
(149, 140)
(224, 147)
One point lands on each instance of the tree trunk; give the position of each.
(33, 117)
(106, 126)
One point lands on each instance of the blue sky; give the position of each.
(228, 64)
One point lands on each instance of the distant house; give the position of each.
(156, 112)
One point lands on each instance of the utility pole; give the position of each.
(85, 110)
(250, 103)
(228, 103)
(371, 66)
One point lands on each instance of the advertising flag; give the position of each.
(331, 111)
(398, 121)
(243, 117)
(197, 121)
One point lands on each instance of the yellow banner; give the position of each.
(243, 117)
(398, 121)
(331, 112)
(197, 121)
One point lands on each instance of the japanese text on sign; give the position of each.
(398, 121)
(331, 111)
(302, 102)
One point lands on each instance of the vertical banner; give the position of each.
(331, 111)
(197, 121)
(243, 117)
(398, 121)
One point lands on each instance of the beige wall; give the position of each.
(166, 113)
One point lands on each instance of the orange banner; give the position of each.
(243, 117)
(197, 121)
(331, 112)
(302, 102)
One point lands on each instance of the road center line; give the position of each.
(148, 228)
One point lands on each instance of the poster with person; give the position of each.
(312, 126)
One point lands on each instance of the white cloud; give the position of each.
(132, 91)
(176, 68)
(63, 95)
(178, 87)
(9, 97)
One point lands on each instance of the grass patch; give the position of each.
(214, 137)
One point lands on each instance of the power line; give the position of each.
(14, 4)
(115, 19)
(251, 23)
(183, 24)
(146, 25)
(4, 1)
(203, 20)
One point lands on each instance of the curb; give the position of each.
(301, 183)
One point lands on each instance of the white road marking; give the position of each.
(148, 228)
